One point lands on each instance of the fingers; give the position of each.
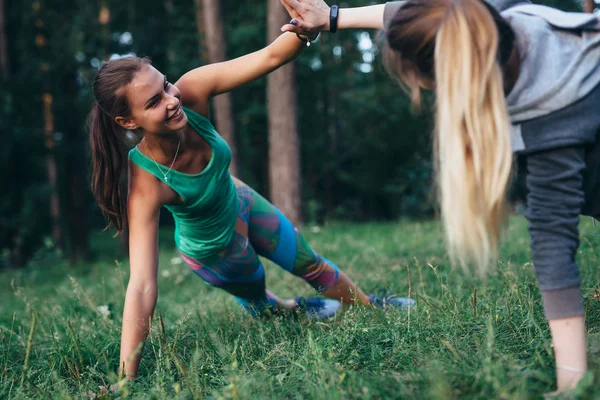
(289, 9)
(89, 395)
(293, 4)
(299, 26)
(289, 28)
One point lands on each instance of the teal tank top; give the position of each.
(205, 221)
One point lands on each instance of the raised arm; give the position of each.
(140, 299)
(313, 16)
(198, 85)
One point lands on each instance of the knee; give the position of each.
(315, 265)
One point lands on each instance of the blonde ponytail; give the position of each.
(472, 142)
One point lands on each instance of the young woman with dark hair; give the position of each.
(182, 163)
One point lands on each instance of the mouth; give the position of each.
(177, 115)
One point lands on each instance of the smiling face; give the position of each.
(154, 104)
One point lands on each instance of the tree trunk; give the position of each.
(41, 42)
(332, 145)
(104, 20)
(210, 28)
(57, 232)
(74, 171)
(284, 159)
(4, 61)
(77, 216)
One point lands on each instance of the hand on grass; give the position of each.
(112, 388)
(103, 393)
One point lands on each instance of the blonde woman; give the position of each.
(508, 77)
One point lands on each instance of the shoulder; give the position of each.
(555, 19)
(502, 5)
(144, 190)
(194, 94)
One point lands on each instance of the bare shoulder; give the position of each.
(144, 194)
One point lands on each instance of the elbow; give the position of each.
(147, 289)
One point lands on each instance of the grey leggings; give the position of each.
(562, 182)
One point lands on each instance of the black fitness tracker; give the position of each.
(334, 11)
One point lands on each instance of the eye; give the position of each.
(167, 84)
(153, 103)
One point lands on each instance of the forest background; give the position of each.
(328, 137)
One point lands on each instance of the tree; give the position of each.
(284, 156)
(4, 62)
(41, 41)
(210, 27)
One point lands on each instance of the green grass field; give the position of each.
(465, 339)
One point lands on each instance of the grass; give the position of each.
(60, 327)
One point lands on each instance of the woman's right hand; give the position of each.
(103, 392)
(114, 388)
(311, 16)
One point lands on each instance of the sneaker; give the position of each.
(259, 309)
(403, 303)
(318, 307)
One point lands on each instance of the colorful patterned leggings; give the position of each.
(268, 233)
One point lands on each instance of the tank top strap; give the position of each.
(145, 163)
(200, 124)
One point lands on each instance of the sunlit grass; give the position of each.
(60, 326)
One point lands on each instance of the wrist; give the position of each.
(333, 19)
(128, 374)
(306, 39)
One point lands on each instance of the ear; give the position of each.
(126, 123)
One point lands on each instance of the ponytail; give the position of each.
(109, 162)
(472, 143)
(457, 47)
(107, 138)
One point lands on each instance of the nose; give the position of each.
(173, 102)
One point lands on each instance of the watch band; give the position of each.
(334, 12)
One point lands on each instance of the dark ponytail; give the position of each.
(107, 138)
